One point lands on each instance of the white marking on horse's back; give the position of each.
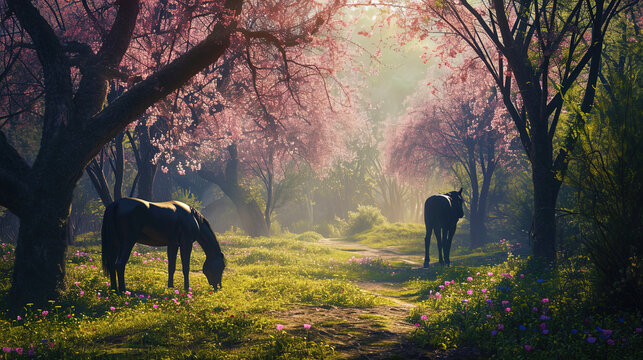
(447, 197)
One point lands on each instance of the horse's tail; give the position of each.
(426, 213)
(108, 234)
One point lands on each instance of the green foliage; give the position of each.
(275, 228)
(187, 197)
(309, 236)
(327, 230)
(512, 311)
(88, 238)
(606, 178)
(363, 219)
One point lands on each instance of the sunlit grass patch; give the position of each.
(263, 275)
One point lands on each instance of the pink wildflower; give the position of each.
(508, 309)
(112, 308)
(19, 351)
(280, 327)
(307, 326)
(484, 290)
(469, 278)
(528, 347)
(545, 300)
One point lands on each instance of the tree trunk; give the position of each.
(250, 216)
(39, 269)
(269, 201)
(543, 235)
(146, 169)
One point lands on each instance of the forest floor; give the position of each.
(302, 296)
(379, 332)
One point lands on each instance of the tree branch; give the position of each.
(126, 108)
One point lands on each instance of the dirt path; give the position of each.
(379, 332)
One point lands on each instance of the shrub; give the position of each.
(187, 197)
(309, 236)
(363, 219)
(275, 228)
(327, 230)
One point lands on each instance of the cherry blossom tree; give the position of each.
(539, 54)
(71, 53)
(459, 124)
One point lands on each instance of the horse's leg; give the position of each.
(171, 264)
(447, 244)
(123, 257)
(427, 245)
(186, 251)
(112, 278)
(439, 237)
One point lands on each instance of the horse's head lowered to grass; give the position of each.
(213, 270)
(215, 260)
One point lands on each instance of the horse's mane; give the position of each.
(203, 221)
(199, 217)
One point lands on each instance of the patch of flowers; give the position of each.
(517, 314)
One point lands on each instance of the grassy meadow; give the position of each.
(305, 297)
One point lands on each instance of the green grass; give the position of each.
(269, 278)
(264, 275)
(407, 238)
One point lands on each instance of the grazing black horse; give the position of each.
(173, 224)
(441, 215)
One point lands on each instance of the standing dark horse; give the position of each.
(173, 224)
(441, 215)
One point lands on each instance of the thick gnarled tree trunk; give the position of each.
(39, 270)
(226, 176)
